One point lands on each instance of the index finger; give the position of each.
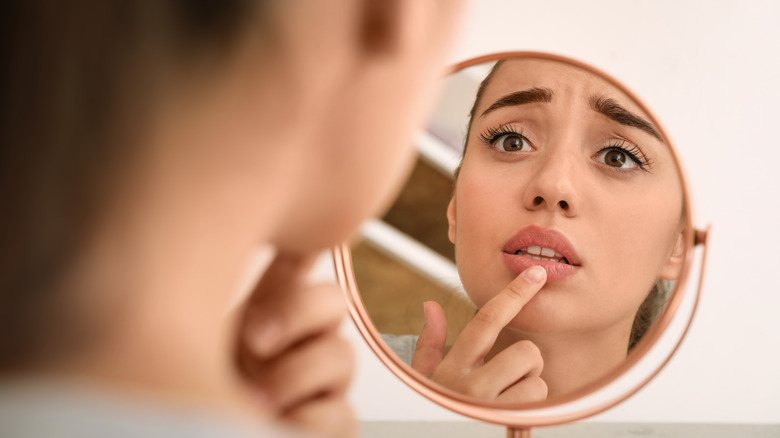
(479, 335)
(261, 317)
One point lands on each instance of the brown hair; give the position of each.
(649, 311)
(77, 81)
(472, 112)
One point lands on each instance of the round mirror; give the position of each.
(530, 160)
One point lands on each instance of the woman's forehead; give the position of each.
(571, 84)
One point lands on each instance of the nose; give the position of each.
(553, 188)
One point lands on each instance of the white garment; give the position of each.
(28, 411)
(402, 345)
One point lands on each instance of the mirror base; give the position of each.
(523, 432)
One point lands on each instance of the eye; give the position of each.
(512, 143)
(617, 158)
(623, 156)
(506, 138)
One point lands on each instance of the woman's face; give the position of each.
(565, 171)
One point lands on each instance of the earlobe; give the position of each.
(671, 270)
(451, 220)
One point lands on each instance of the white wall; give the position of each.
(711, 71)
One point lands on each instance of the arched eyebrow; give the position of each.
(602, 104)
(614, 111)
(530, 95)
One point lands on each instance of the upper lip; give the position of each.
(534, 235)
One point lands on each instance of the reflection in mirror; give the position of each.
(527, 162)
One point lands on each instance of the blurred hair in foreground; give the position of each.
(80, 85)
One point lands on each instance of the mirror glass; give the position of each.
(528, 161)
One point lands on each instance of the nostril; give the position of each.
(538, 200)
(564, 205)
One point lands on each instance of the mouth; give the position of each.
(537, 246)
(542, 244)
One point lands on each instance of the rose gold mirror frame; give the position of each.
(505, 414)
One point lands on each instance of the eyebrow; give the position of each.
(602, 104)
(531, 95)
(613, 110)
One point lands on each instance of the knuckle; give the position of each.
(342, 349)
(328, 301)
(488, 315)
(443, 375)
(516, 291)
(527, 349)
(343, 356)
(537, 387)
(345, 345)
(421, 344)
(446, 376)
(474, 388)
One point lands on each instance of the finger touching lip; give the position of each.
(538, 246)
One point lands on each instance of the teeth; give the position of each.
(539, 250)
(542, 254)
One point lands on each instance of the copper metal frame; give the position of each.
(512, 415)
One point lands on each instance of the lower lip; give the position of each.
(555, 271)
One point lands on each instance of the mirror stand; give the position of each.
(523, 432)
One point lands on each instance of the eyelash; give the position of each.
(632, 151)
(490, 135)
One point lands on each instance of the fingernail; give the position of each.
(535, 274)
(425, 311)
(265, 338)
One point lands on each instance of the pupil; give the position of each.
(616, 158)
(513, 143)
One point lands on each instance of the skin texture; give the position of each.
(625, 224)
(292, 154)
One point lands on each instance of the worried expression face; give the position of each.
(564, 170)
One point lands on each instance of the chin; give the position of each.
(540, 323)
(319, 233)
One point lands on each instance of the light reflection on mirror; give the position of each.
(560, 169)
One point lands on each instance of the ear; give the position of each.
(671, 269)
(451, 220)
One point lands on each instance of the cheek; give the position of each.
(484, 210)
(375, 178)
(635, 241)
(362, 160)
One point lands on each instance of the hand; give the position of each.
(291, 353)
(512, 375)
